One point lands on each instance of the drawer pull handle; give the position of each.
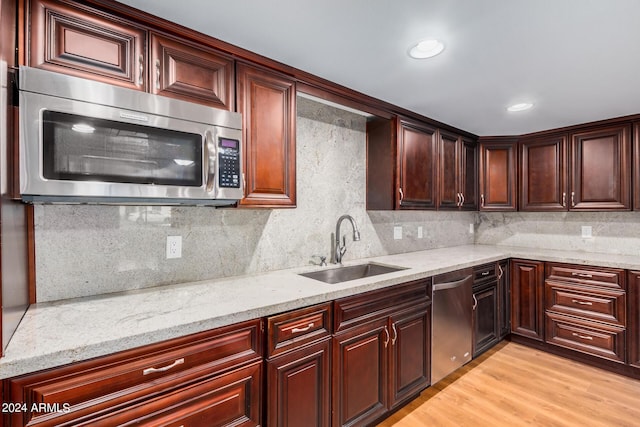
(575, 301)
(164, 368)
(305, 329)
(584, 337)
(485, 273)
(585, 275)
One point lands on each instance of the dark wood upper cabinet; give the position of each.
(75, 40)
(457, 176)
(417, 160)
(601, 174)
(469, 174)
(636, 166)
(192, 73)
(543, 173)
(267, 101)
(497, 176)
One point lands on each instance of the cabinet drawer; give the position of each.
(486, 272)
(605, 305)
(590, 276)
(598, 339)
(294, 329)
(229, 399)
(107, 383)
(359, 309)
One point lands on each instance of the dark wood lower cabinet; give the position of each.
(298, 387)
(381, 359)
(486, 327)
(213, 378)
(360, 374)
(633, 333)
(527, 299)
(410, 363)
(504, 298)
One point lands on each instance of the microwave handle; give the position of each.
(210, 159)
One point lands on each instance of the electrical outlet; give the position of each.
(587, 232)
(420, 233)
(174, 247)
(397, 232)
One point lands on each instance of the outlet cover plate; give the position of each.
(174, 247)
(397, 232)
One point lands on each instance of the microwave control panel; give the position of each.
(229, 163)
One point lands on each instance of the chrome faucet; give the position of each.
(342, 248)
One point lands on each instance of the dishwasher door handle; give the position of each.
(450, 285)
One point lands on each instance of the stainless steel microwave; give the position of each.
(83, 141)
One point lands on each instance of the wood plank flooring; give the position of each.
(513, 385)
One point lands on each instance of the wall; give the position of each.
(613, 232)
(89, 250)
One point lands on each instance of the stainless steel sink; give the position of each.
(352, 272)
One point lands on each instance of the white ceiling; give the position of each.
(576, 60)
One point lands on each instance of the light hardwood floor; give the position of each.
(513, 385)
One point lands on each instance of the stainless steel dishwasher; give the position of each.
(451, 326)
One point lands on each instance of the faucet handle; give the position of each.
(323, 259)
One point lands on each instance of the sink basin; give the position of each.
(352, 272)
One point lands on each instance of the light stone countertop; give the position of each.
(54, 334)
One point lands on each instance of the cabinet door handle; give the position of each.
(304, 329)
(461, 199)
(501, 272)
(575, 301)
(141, 70)
(401, 195)
(386, 341)
(475, 302)
(395, 334)
(584, 337)
(585, 275)
(158, 74)
(564, 199)
(164, 368)
(482, 200)
(573, 198)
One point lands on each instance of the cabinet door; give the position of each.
(527, 298)
(468, 174)
(543, 174)
(601, 176)
(504, 301)
(360, 373)
(636, 167)
(633, 334)
(298, 391)
(78, 41)
(182, 71)
(267, 101)
(485, 318)
(410, 363)
(417, 155)
(448, 171)
(498, 176)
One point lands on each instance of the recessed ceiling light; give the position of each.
(520, 107)
(426, 49)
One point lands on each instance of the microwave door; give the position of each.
(80, 148)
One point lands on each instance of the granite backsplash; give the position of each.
(90, 250)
